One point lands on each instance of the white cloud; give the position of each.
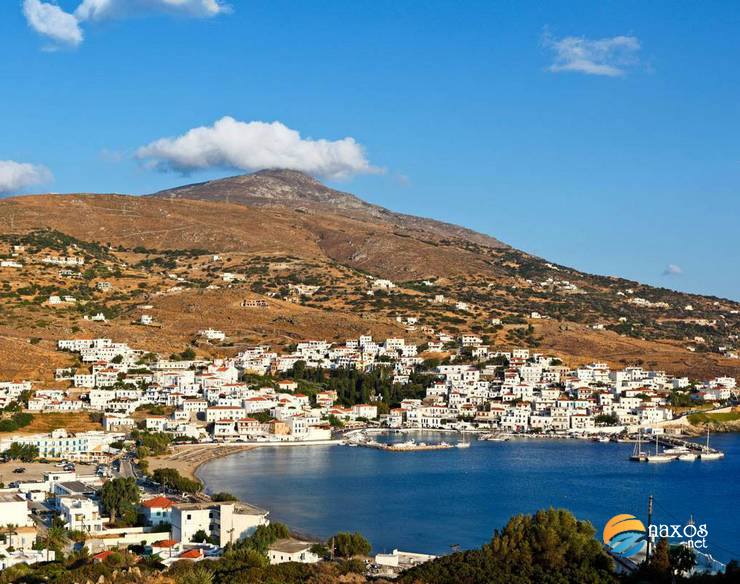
(609, 56)
(251, 146)
(51, 21)
(16, 176)
(672, 270)
(104, 9)
(48, 19)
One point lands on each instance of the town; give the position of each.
(263, 397)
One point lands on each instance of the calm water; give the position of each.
(427, 501)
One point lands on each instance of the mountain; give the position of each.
(296, 190)
(192, 255)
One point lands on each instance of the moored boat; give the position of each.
(637, 454)
(710, 454)
(660, 456)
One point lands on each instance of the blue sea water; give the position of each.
(427, 501)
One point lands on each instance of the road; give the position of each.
(126, 469)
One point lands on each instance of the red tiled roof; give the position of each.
(157, 503)
(193, 554)
(165, 543)
(102, 555)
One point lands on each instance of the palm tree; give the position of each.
(56, 537)
(198, 575)
(9, 533)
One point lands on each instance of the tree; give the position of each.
(56, 538)
(223, 497)
(201, 536)
(8, 533)
(549, 546)
(120, 497)
(660, 561)
(606, 420)
(348, 545)
(682, 558)
(169, 477)
(22, 452)
(198, 574)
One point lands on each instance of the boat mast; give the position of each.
(650, 522)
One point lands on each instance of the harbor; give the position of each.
(305, 487)
(669, 448)
(363, 438)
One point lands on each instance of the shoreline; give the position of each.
(187, 459)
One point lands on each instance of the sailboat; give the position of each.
(707, 454)
(637, 454)
(657, 457)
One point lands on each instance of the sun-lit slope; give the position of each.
(277, 230)
(159, 223)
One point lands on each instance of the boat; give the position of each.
(709, 454)
(637, 454)
(688, 456)
(462, 445)
(495, 437)
(660, 456)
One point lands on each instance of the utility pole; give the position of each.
(650, 522)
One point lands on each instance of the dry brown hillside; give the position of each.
(312, 253)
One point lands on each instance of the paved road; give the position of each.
(126, 469)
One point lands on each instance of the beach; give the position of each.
(187, 458)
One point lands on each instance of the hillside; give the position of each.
(190, 256)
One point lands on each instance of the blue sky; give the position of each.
(601, 135)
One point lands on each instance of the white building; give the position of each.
(291, 550)
(227, 522)
(81, 514)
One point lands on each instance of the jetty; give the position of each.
(674, 448)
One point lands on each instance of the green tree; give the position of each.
(169, 477)
(682, 558)
(22, 452)
(120, 497)
(549, 546)
(348, 545)
(223, 496)
(198, 574)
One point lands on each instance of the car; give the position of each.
(19, 470)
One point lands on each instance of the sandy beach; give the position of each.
(187, 458)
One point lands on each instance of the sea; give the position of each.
(443, 500)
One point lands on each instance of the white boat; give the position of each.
(637, 454)
(688, 456)
(660, 457)
(707, 454)
(494, 437)
(462, 445)
(676, 450)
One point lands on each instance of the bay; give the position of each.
(427, 501)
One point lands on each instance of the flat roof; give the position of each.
(11, 498)
(290, 546)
